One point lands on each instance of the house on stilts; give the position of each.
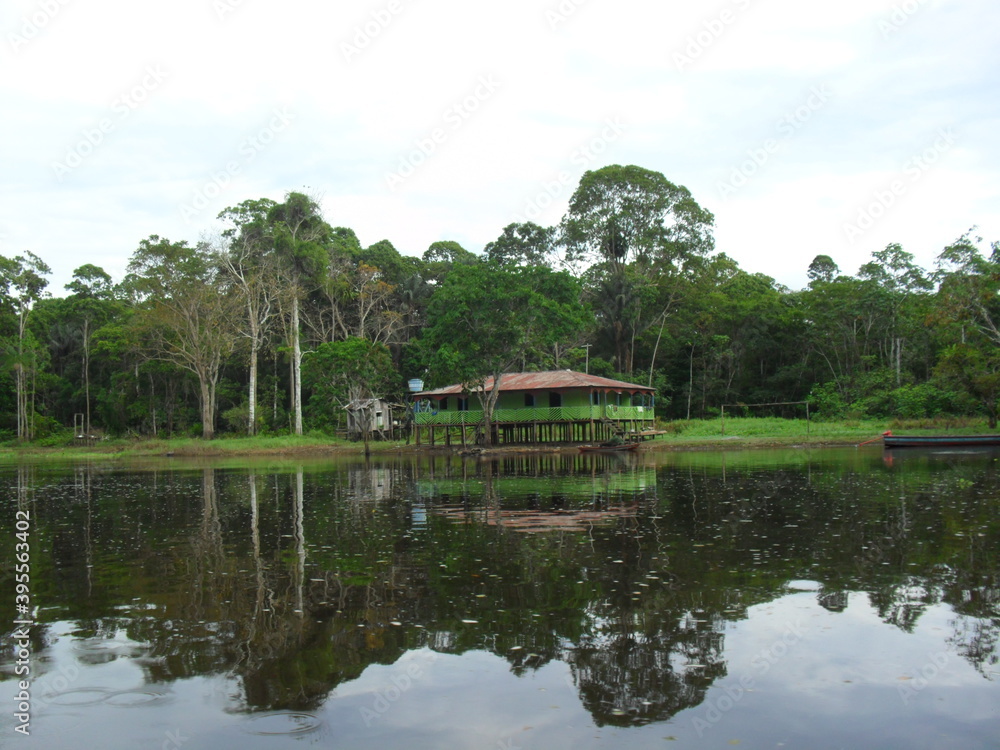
(536, 407)
(371, 417)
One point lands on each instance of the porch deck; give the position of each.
(534, 424)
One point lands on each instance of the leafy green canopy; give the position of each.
(338, 372)
(482, 318)
(621, 215)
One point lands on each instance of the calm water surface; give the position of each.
(822, 599)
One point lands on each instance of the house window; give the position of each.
(463, 403)
(443, 404)
(595, 398)
(555, 399)
(529, 399)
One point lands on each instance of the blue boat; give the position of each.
(932, 441)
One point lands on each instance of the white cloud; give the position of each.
(358, 116)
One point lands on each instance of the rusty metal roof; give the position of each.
(552, 380)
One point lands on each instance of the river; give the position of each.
(822, 598)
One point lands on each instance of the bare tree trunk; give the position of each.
(252, 396)
(31, 409)
(86, 371)
(19, 388)
(899, 360)
(656, 348)
(489, 402)
(296, 367)
(690, 381)
(21, 381)
(152, 401)
(207, 426)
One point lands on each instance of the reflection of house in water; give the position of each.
(540, 493)
(539, 520)
(372, 482)
(293, 583)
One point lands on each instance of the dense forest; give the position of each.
(280, 318)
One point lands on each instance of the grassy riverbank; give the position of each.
(762, 432)
(194, 447)
(680, 435)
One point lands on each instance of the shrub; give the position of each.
(237, 419)
(826, 401)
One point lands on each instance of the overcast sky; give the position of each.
(805, 127)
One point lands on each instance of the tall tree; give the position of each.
(300, 238)
(898, 283)
(635, 224)
(393, 267)
(524, 244)
(91, 305)
(372, 294)
(620, 215)
(23, 281)
(248, 257)
(823, 269)
(969, 285)
(187, 312)
(442, 256)
(967, 318)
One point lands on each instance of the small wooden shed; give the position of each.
(372, 416)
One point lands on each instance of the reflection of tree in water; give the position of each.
(635, 678)
(293, 583)
(903, 604)
(832, 601)
(976, 640)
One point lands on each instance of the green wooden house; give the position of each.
(537, 407)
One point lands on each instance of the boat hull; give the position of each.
(930, 441)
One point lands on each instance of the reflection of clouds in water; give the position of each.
(797, 589)
(282, 723)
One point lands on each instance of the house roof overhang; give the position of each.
(552, 380)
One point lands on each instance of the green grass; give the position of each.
(696, 433)
(312, 444)
(775, 431)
